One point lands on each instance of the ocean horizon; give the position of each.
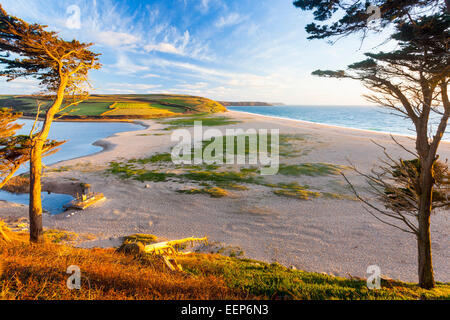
(371, 118)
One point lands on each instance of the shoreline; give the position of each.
(332, 126)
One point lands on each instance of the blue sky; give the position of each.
(252, 50)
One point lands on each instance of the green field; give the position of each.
(118, 106)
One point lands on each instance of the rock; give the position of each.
(147, 186)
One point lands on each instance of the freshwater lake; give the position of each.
(80, 136)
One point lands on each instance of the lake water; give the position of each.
(80, 136)
(367, 118)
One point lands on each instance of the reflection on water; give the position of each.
(53, 203)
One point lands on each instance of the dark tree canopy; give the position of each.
(354, 14)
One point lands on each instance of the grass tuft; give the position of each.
(310, 169)
(214, 192)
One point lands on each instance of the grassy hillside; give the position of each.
(107, 107)
(39, 272)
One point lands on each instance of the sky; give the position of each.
(227, 50)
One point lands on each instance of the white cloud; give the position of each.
(20, 86)
(193, 86)
(125, 66)
(232, 19)
(151, 75)
(132, 86)
(163, 47)
(205, 5)
(177, 47)
(116, 39)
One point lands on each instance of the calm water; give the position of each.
(367, 118)
(80, 136)
(52, 203)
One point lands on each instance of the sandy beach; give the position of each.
(335, 236)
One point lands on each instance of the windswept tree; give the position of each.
(29, 50)
(411, 80)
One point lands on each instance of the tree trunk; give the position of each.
(426, 274)
(35, 208)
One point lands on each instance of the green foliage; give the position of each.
(214, 192)
(294, 190)
(157, 158)
(310, 169)
(220, 177)
(207, 121)
(129, 171)
(88, 109)
(273, 281)
(406, 176)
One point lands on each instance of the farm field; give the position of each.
(104, 107)
(139, 108)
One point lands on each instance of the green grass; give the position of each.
(99, 106)
(297, 193)
(221, 177)
(157, 158)
(289, 145)
(273, 281)
(206, 121)
(88, 109)
(129, 171)
(214, 192)
(246, 151)
(310, 169)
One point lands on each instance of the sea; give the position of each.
(356, 117)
